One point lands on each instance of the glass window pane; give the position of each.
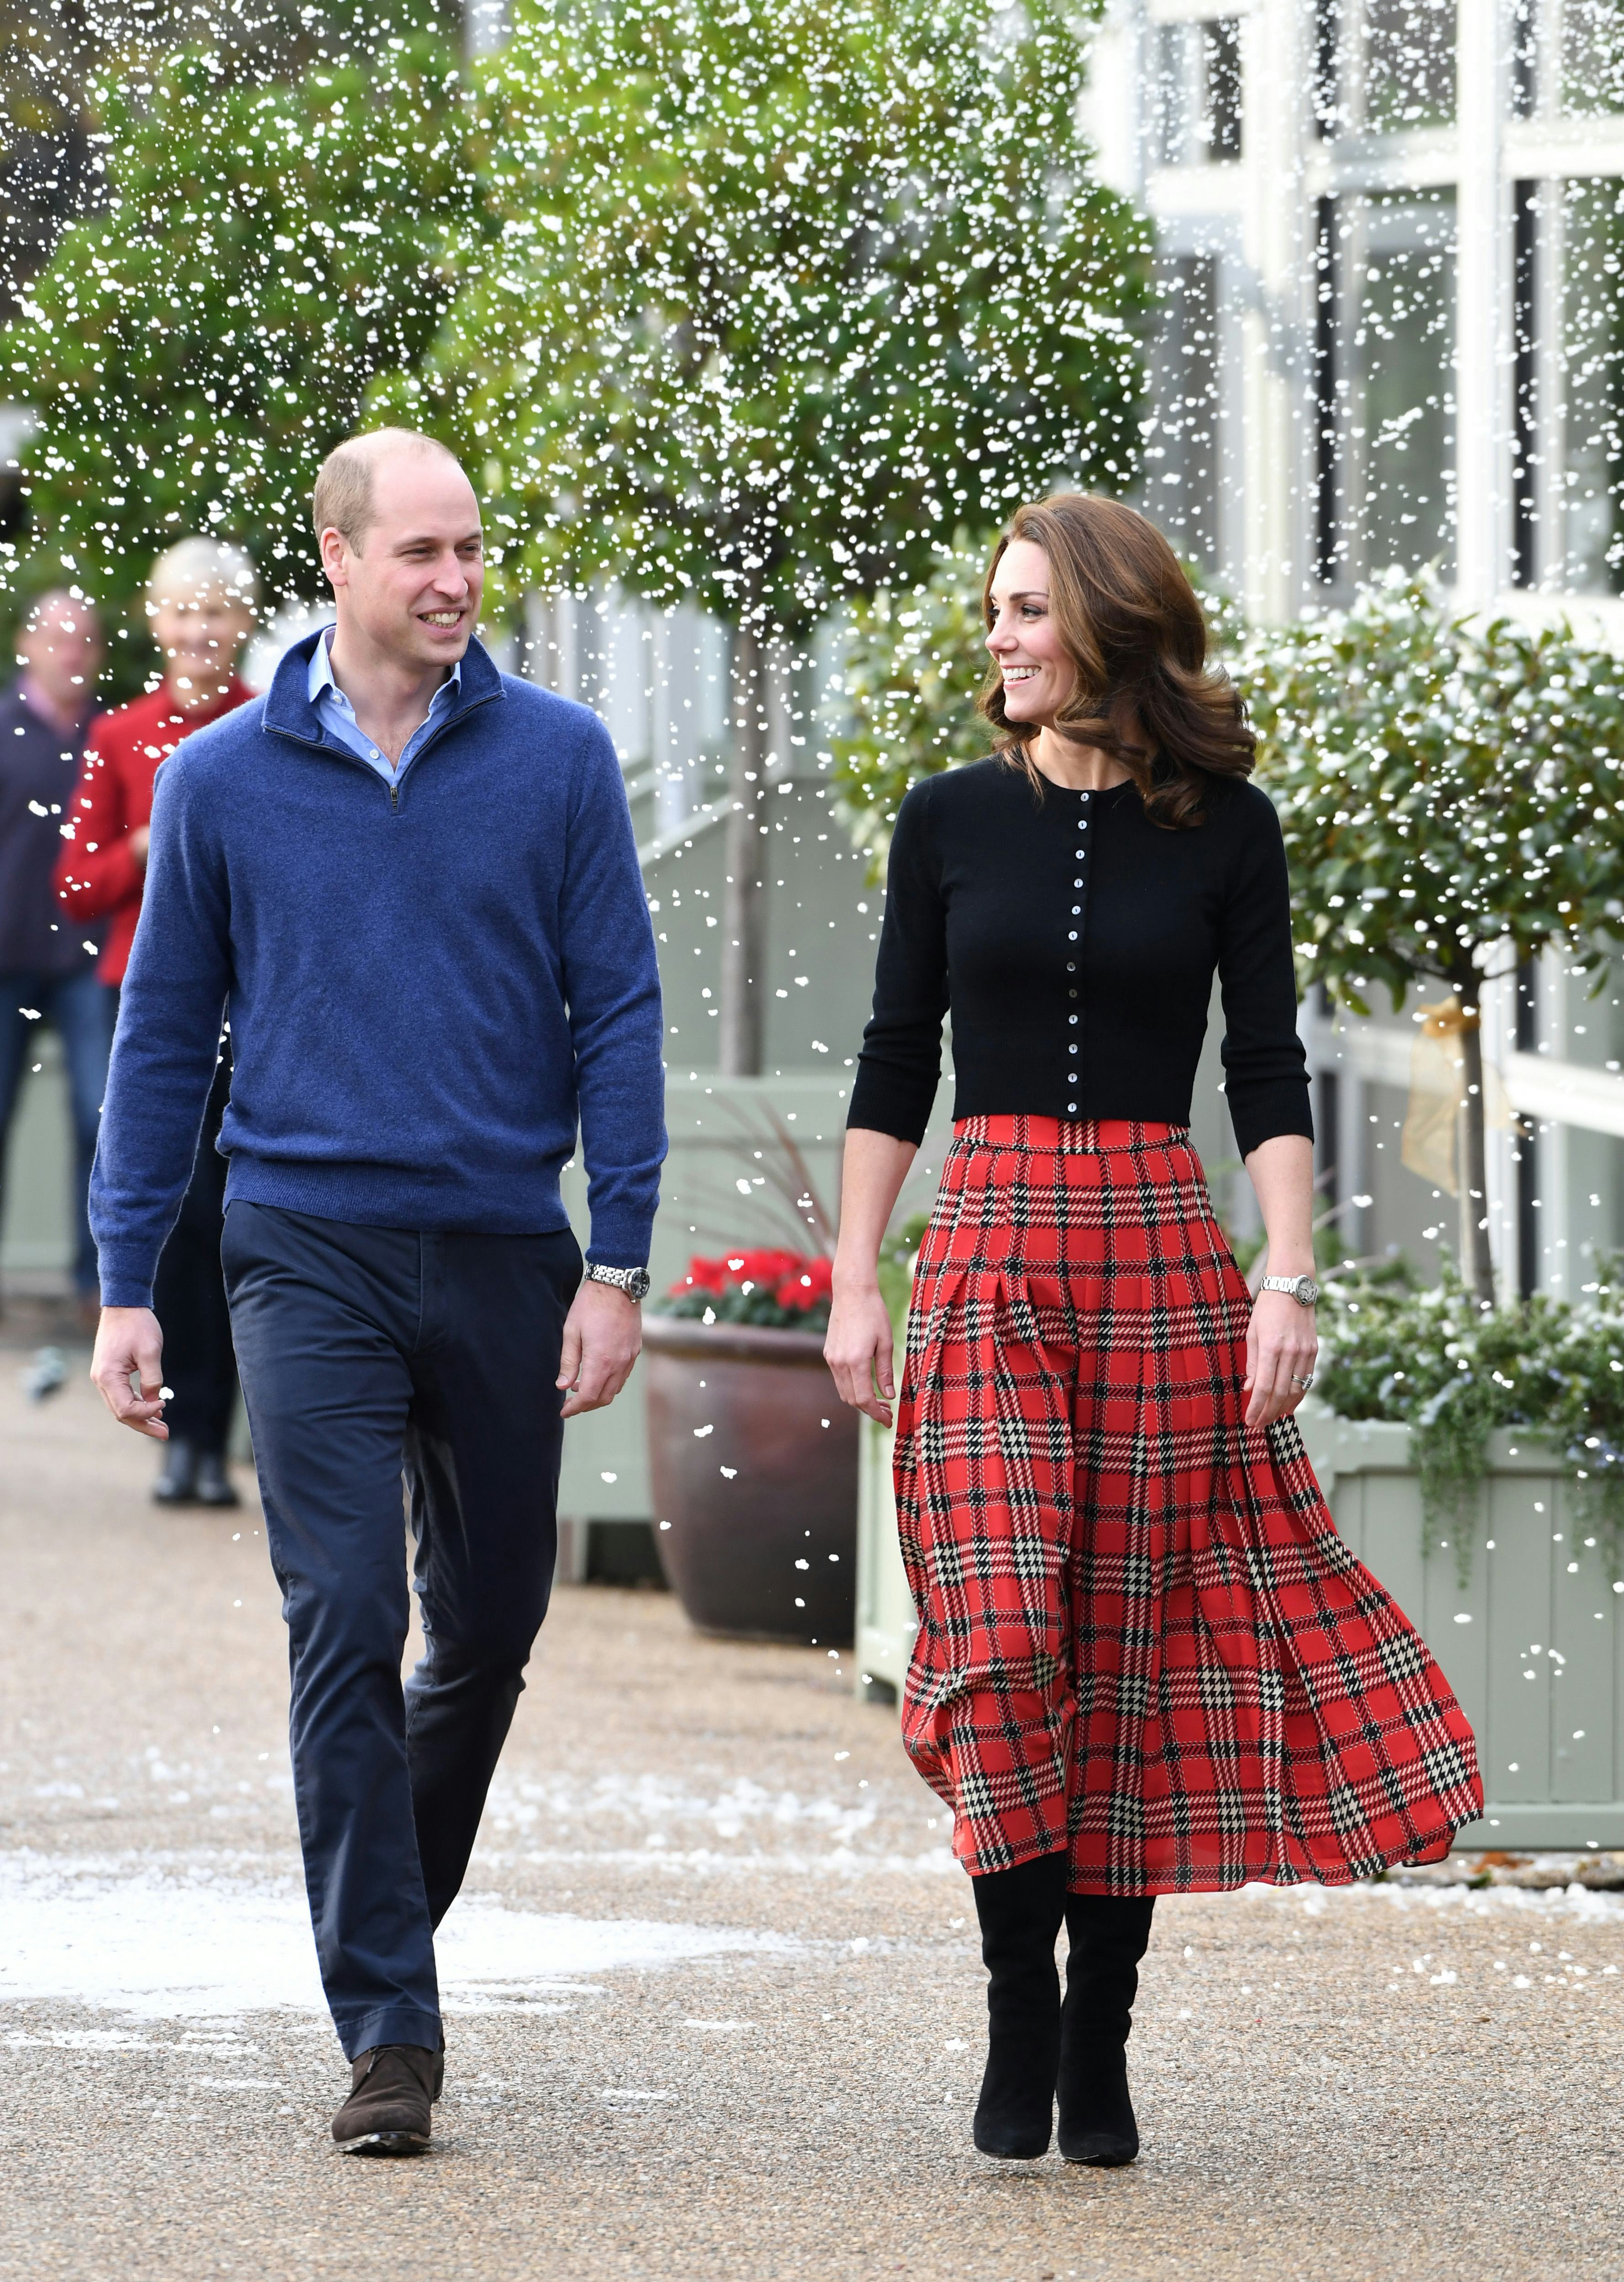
(1408, 63)
(1196, 68)
(1590, 387)
(1221, 68)
(1384, 65)
(1397, 463)
(1180, 484)
(1592, 56)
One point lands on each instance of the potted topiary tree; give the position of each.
(1448, 790)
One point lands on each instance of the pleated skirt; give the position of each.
(1140, 1637)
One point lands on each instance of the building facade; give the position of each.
(1391, 238)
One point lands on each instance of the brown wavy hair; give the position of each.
(1130, 622)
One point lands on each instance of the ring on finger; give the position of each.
(1303, 1383)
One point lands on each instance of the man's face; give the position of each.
(200, 635)
(414, 588)
(61, 650)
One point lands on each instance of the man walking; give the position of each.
(410, 882)
(47, 969)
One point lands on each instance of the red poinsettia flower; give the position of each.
(763, 1268)
(702, 1276)
(796, 1282)
(808, 1285)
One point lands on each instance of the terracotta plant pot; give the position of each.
(752, 1459)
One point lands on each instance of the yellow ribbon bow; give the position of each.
(1438, 1094)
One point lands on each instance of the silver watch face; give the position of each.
(632, 1281)
(1306, 1290)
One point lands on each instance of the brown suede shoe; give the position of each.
(393, 2089)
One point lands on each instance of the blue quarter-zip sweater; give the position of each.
(429, 985)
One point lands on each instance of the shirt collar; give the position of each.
(322, 676)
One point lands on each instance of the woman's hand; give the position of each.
(858, 1350)
(1281, 1339)
(1282, 1342)
(857, 1345)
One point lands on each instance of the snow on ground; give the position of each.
(623, 1816)
(198, 1940)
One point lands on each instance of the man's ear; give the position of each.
(335, 557)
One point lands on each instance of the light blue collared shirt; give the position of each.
(334, 711)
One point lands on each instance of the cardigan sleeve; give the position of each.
(900, 1065)
(1265, 1067)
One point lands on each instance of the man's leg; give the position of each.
(324, 1315)
(82, 1008)
(482, 1470)
(16, 992)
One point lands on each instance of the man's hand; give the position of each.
(129, 1341)
(603, 1338)
(140, 840)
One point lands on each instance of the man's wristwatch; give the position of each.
(632, 1281)
(1303, 1289)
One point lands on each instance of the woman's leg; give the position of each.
(1109, 1935)
(190, 1298)
(983, 1478)
(1020, 1912)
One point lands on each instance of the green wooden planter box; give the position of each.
(885, 1620)
(1532, 1644)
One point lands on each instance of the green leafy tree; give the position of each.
(783, 297)
(1448, 790)
(915, 666)
(200, 340)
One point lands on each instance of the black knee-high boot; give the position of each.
(1020, 1912)
(1108, 1934)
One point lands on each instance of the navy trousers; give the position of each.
(82, 1007)
(365, 1352)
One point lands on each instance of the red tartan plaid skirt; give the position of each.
(1140, 1636)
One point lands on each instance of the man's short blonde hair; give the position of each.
(342, 500)
(198, 570)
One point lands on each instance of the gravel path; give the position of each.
(714, 2001)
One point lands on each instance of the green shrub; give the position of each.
(1453, 1370)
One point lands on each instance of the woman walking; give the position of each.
(1145, 1662)
(200, 605)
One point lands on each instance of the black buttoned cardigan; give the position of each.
(1072, 943)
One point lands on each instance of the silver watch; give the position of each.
(632, 1281)
(1303, 1289)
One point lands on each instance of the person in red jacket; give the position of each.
(200, 605)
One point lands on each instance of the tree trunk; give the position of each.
(745, 908)
(1477, 1265)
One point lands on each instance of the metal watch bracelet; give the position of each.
(1303, 1289)
(632, 1281)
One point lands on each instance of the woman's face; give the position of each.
(199, 635)
(1038, 676)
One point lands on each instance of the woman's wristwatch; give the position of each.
(632, 1281)
(1303, 1289)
